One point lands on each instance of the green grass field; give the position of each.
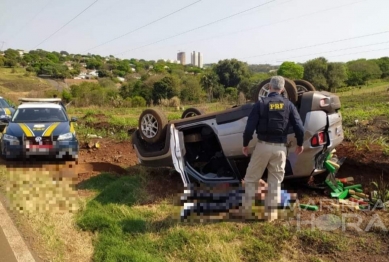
(126, 229)
(120, 216)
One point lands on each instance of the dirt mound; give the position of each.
(120, 153)
(163, 184)
(99, 117)
(369, 156)
(87, 170)
(99, 122)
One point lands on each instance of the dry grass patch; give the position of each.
(44, 203)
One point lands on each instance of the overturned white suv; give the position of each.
(207, 148)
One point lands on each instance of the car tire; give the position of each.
(152, 125)
(192, 111)
(304, 86)
(290, 88)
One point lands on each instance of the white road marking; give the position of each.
(15, 240)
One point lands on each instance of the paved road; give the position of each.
(6, 253)
(12, 245)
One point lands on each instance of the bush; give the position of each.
(138, 101)
(66, 96)
(163, 102)
(127, 102)
(51, 93)
(241, 98)
(174, 101)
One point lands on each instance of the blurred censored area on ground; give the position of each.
(41, 186)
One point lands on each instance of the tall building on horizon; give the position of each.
(197, 59)
(194, 58)
(181, 58)
(200, 60)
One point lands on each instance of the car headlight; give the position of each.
(66, 136)
(10, 138)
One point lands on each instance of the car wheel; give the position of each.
(304, 86)
(192, 112)
(290, 90)
(152, 125)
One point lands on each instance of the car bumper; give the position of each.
(59, 149)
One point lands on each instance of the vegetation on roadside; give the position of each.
(126, 226)
(142, 82)
(43, 204)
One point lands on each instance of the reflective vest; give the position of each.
(274, 119)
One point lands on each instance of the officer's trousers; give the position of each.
(272, 156)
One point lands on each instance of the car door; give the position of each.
(177, 148)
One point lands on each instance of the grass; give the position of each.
(43, 207)
(16, 83)
(371, 88)
(127, 229)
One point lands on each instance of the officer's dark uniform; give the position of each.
(270, 117)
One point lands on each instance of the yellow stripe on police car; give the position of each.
(72, 130)
(50, 129)
(27, 131)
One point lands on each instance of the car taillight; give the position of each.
(324, 102)
(319, 139)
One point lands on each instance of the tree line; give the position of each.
(155, 82)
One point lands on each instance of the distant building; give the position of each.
(194, 58)
(200, 60)
(181, 58)
(197, 59)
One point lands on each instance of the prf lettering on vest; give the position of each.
(276, 106)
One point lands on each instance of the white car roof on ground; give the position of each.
(39, 105)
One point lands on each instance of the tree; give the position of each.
(209, 80)
(244, 87)
(191, 90)
(94, 63)
(104, 73)
(52, 57)
(291, 70)
(336, 75)
(231, 94)
(10, 62)
(383, 63)
(11, 54)
(231, 72)
(106, 82)
(163, 89)
(360, 71)
(315, 71)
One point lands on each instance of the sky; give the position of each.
(253, 31)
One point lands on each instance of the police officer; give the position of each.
(270, 118)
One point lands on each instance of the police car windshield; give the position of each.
(4, 103)
(39, 115)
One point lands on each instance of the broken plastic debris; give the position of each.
(93, 136)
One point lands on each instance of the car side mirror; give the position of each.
(73, 119)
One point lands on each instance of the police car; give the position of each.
(6, 111)
(207, 148)
(40, 127)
